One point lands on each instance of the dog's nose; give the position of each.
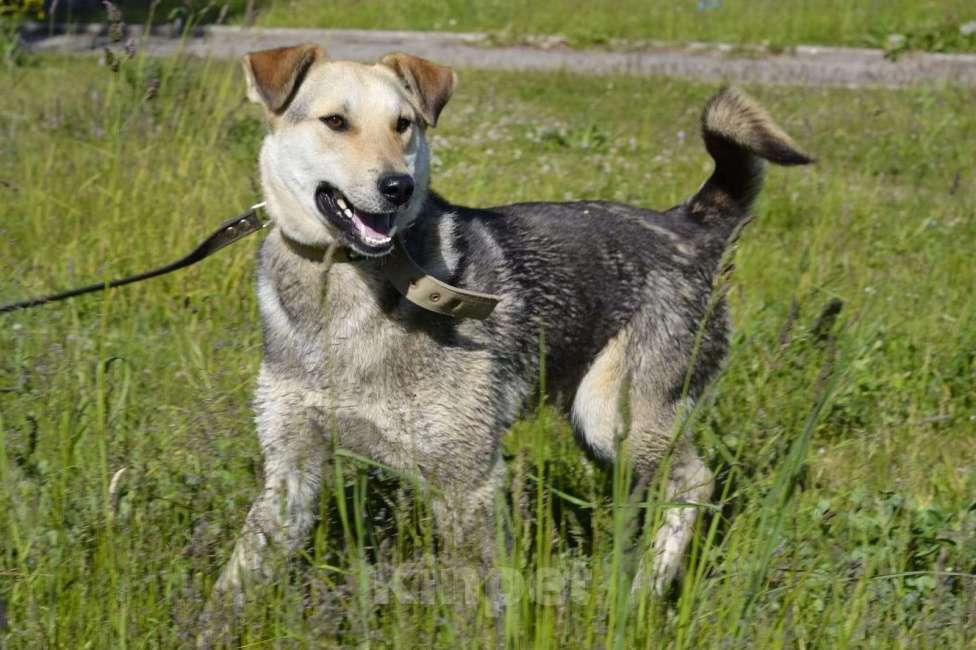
(398, 188)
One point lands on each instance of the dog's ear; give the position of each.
(273, 76)
(429, 84)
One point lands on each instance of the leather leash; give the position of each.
(226, 234)
(399, 268)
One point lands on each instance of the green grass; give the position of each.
(845, 462)
(929, 24)
(896, 25)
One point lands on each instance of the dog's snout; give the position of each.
(398, 188)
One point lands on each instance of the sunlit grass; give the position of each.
(845, 486)
(779, 23)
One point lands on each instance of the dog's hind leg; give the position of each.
(689, 482)
(624, 394)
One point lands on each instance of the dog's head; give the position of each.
(346, 158)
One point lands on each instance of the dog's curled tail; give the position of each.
(739, 134)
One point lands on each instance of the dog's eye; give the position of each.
(335, 122)
(403, 124)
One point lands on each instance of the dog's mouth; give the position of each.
(368, 233)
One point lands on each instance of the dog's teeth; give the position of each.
(341, 201)
(348, 212)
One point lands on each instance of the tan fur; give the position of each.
(596, 406)
(272, 75)
(301, 148)
(430, 84)
(743, 120)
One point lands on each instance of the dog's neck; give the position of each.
(346, 279)
(311, 254)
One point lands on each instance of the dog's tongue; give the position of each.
(376, 226)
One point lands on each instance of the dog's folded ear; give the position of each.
(429, 84)
(274, 76)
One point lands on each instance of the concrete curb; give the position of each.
(803, 65)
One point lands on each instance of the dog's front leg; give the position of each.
(465, 512)
(466, 515)
(283, 514)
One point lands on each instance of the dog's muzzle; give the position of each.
(368, 233)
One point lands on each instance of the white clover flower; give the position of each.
(895, 41)
(967, 29)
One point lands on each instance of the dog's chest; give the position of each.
(378, 386)
(384, 394)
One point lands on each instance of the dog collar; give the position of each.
(423, 289)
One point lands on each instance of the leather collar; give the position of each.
(411, 280)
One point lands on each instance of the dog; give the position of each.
(623, 297)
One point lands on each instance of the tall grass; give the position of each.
(844, 513)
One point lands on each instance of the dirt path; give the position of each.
(828, 66)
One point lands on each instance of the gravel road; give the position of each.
(806, 65)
